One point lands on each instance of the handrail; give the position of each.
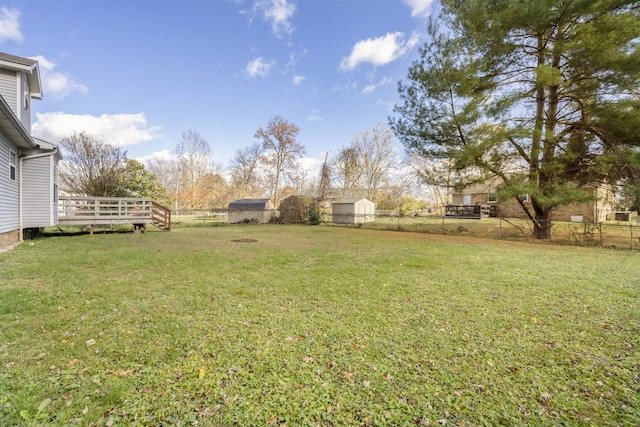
(161, 216)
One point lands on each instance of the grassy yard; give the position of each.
(330, 326)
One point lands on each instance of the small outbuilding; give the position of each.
(293, 209)
(353, 211)
(257, 211)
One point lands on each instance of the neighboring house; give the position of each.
(28, 166)
(600, 208)
(353, 211)
(258, 211)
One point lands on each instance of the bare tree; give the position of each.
(245, 171)
(193, 156)
(347, 170)
(377, 157)
(281, 151)
(368, 163)
(92, 167)
(167, 171)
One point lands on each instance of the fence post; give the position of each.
(631, 234)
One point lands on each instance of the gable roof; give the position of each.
(46, 146)
(27, 65)
(11, 126)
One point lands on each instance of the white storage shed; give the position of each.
(353, 211)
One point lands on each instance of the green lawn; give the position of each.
(314, 326)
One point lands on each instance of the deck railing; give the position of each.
(468, 211)
(111, 210)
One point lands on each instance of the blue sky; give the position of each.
(140, 73)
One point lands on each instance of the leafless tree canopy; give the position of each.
(367, 163)
(245, 172)
(281, 151)
(193, 157)
(91, 166)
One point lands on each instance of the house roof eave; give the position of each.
(27, 65)
(12, 128)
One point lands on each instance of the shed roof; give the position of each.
(248, 204)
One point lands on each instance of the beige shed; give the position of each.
(353, 211)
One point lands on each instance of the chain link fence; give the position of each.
(612, 234)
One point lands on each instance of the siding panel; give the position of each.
(8, 88)
(25, 108)
(9, 215)
(36, 192)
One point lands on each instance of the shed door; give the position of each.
(466, 199)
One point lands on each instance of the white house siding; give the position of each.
(9, 88)
(25, 110)
(37, 192)
(9, 214)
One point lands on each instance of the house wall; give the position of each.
(591, 211)
(24, 108)
(9, 89)
(37, 192)
(475, 198)
(9, 214)
(512, 209)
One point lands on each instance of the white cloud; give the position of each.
(10, 25)
(420, 8)
(373, 87)
(315, 116)
(157, 155)
(259, 68)
(313, 164)
(379, 51)
(55, 83)
(297, 80)
(277, 13)
(117, 129)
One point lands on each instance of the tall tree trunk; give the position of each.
(542, 224)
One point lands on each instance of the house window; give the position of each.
(523, 198)
(25, 93)
(492, 197)
(12, 165)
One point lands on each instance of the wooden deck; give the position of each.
(92, 211)
(468, 211)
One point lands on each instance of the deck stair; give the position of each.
(161, 217)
